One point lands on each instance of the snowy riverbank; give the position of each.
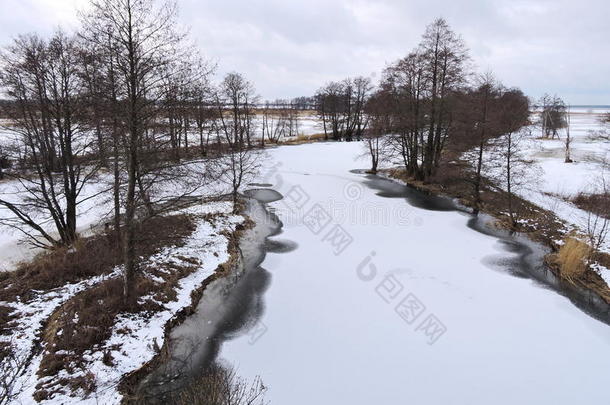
(136, 336)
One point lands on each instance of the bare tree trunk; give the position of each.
(144, 195)
(132, 163)
(509, 182)
(129, 239)
(568, 158)
(116, 186)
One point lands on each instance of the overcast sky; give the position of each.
(289, 48)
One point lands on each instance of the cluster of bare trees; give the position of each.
(340, 107)
(488, 123)
(297, 103)
(423, 87)
(116, 109)
(428, 105)
(51, 113)
(279, 124)
(553, 115)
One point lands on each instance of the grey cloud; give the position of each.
(289, 48)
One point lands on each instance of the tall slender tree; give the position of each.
(141, 41)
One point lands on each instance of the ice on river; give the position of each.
(386, 303)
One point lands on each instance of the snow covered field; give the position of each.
(416, 309)
(567, 180)
(308, 124)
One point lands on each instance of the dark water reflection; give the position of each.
(391, 189)
(231, 306)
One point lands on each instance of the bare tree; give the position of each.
(330, 103)
(93, 77)
(238, 166)
(424, 85)
(142, 43)
(485, 128)
(240, 162)
(356, 93)
(568, 140)
(238, 95)
(552, 116)
(404, 82)
(477, 124)
(291, 118)
(203, 111)
(44, 81)
(598, 218)
(274, 125)
(340, 106)
(379, 112)
(515, 172)
(444, 56)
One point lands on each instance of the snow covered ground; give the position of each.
(383, 301)
(589, 154)
(415, 309)
(13, 248)
(308, 124)
(135, 335)
(96, 207)
(557, 182)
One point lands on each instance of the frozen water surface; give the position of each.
(395, 298)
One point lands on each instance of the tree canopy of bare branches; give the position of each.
(423, 86)
(340, 107)
(44, 79)
(154, 74)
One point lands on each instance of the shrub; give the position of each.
(219, 385)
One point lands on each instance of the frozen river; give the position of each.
(382, 295)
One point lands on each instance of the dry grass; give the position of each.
(302, 139)
(572, 258)
(599, 204)
(5, 319)
(87, 320)
(89, 257)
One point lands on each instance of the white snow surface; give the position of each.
(331, 332)
(207, 245)
(557, 182)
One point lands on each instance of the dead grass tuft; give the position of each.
(572, 258)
